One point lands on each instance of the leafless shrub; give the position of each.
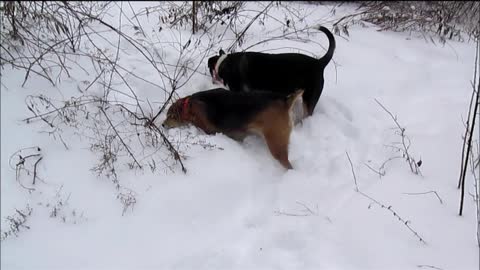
(108, 150)
(446, 20)
(117, 133)
(389, 208)
(241, 35)
(120, 126)
(233, 16)
(16, 223)
(58, 207)
(74, 112)
(59, 204)
(402, 147)
(381, 171)
(26, 161)
(58, 115)
(199, 14)
(40, 37)
(127, 198)
(305, 211)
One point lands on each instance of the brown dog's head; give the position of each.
(178, 114)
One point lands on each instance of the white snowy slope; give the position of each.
(236, 207)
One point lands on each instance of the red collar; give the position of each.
(185, 108)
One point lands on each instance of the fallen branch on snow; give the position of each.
(388, 208)
(428, 266)
(16, 222)
(421, 193)
(23, 164)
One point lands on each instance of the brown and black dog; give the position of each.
(280, 73)
(236, 114)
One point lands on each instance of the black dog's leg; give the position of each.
(311, 96)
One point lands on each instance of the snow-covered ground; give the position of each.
(236, 207)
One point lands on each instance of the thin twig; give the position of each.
(420, 193)
(353, 172)
(307, 212)
(389, 208)
(170, 147)
(428, 266)
(120, 138)
(281, 213)
(240, 36)
(35, 170)
(380, 173)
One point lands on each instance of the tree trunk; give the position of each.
(194, 17)
(469, 145)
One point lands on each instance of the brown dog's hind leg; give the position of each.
(275, 125)
(277, 137)
(278, 146)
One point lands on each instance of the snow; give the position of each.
(236, 207)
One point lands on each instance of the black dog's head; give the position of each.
(212, 62)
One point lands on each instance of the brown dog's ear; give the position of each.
(221, 52)
(197, 107)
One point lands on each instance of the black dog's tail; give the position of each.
(331, 47)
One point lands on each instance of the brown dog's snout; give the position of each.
(170, 123)
(165, 124)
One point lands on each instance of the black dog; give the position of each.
(282, 73)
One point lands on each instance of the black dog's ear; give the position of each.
(212, 61)
(221, 52)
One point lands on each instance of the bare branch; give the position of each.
(120, 138)
(306, 211)
(421, 193)
(428, 266)
(353, 172)
(383, 206)
(379, 172)
(35, 170)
